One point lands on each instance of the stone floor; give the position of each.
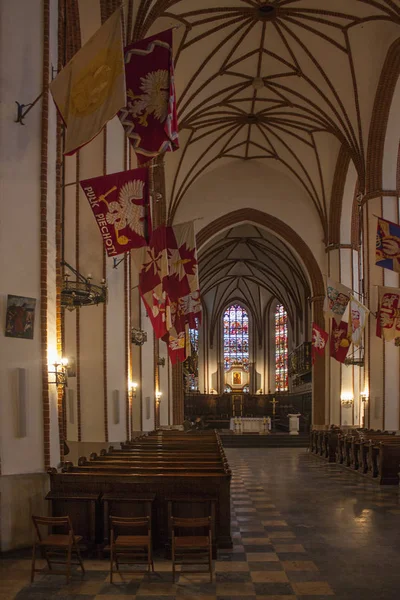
(302, 529)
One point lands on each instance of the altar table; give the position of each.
(248, 424)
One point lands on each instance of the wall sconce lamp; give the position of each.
(158, 396)
(161, 361)
(364, 396)
(347, 399)
(59, 375)
(132, 387)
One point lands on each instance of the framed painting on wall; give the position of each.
(237, 378)
(20, 317)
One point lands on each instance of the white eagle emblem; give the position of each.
(125, 212)
(155, 88)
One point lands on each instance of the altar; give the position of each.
(250, 424)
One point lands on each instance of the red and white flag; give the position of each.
(120, 204)
(339, 341)
(319, 340)
(182, 289)
(388, 318)
(149, 118)
(152, 263)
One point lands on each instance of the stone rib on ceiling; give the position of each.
(278, 80)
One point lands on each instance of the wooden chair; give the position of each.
(51, 545)
(130, 546)
(191, 549)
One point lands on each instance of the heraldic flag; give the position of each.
(336, 300)
(339, 341)
(120, 204)
(152, 263)
(169, 285)
(388, 245)
(319, 340)
(90, 90)
(388, 318)
(358, 317)
(182, 289)
(149, 113)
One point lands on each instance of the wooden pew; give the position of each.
(197, 473)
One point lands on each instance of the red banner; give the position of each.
(182, 289)
(169, 286)
(388, 318)
(149, 118)
(178, 343)
(339, 341)
(120, 204)
(319, 340)
(152, 263)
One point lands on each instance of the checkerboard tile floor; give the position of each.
(301, 529)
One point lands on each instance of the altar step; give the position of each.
(255, 440)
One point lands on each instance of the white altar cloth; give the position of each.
(246, 424)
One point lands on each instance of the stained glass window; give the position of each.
(236, 336)
(190, 367)
(281, 349)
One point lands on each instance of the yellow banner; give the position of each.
(90, 90)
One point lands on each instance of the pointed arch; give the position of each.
(251, 215)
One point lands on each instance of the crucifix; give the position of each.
(274, 403)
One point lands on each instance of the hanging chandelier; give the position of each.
(81, 291)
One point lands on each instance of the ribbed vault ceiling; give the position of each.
(251, 264)
(287, 81)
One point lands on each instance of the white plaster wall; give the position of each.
(254, 185)
(392, 358)
(51, 240)
(346, 372)
(147, 384)
(116, 379)
(136, 352)
(347, 204)
(91, 317)
(375, 346)
(334, 377)
(20, 226)
(70, 338)
(391, 147)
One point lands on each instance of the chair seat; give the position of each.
(132, 540)
(58, 540)
(192, 541)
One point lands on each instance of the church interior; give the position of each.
(271, 418)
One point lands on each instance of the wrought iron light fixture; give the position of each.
(138, 336)
(357, 361)
(81, 291)
(60, 372)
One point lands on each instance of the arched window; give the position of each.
(281, 349)
(236, 336)
(191, 364)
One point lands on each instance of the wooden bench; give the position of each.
(195, 476)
